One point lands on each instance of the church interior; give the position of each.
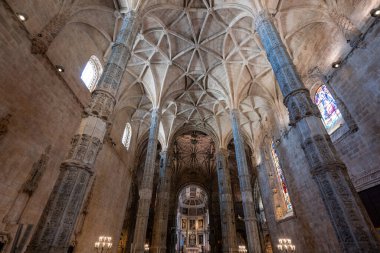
(189, 126)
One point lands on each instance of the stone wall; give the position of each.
(357, 83)
(107, 201)
(44, 112)
(309, 229)
(40, 107)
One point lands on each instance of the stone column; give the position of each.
(227, 212)
(245, 187)
(351, 223)
(160, 225)
(60, 214)
(146, 188)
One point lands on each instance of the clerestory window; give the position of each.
(126, 139)
(91, 73)
(283, 204)
(331, 116)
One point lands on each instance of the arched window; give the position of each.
(126, 140)
(331, 116)
(286, 207)
(91, 73)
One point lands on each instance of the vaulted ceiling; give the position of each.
(196, 59)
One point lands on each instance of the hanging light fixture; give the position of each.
(104, 244)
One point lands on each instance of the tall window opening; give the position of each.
(331, 116)
(126, 139)
(283, 204)
(91, 73)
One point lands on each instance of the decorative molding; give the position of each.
(367, 180)
(35, 175)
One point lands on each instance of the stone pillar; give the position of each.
(351, 223)
(58, 219)
(227, 212)
(160, 225)
(146, 188)
(245, 187)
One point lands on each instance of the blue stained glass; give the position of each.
(331, 116)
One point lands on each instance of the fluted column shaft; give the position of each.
(227, 212)
(160, 223)
(245, 187)
(146, 188)
(60, 214)
(351, 223)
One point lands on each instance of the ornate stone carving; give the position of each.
(341, 201)
(349, 30)
(84, 149)
(101, 105)
(58, 219)
(42, 40)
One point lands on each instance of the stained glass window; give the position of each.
(331, 116)
(91, 73)
(281, 180)
(126, 140)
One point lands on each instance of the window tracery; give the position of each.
(91, 73)
(331, 116)
(126, 139)
(285, 208)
